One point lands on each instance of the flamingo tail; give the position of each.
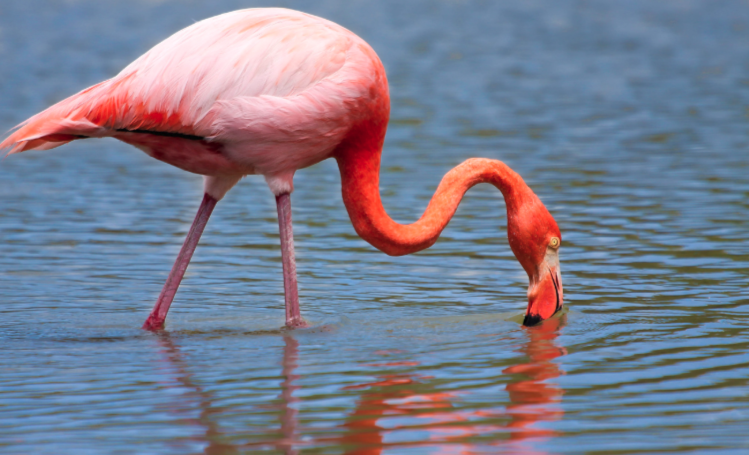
(57, 125)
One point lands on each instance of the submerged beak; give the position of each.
(545, 297)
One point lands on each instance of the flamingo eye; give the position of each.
(555, 242)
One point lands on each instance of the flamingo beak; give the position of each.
(545, 297)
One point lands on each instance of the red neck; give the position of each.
(359, 163)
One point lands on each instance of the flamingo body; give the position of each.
(257, 91)
(271, 91)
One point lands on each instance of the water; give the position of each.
(629, 119)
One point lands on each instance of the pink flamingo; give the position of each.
(271, 91)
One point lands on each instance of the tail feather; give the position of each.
(55, 126)
(98, 111)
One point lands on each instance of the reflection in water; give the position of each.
(399, 404)
(399, 410)
(213, 441)
(392, 397)
(533, 398)
(194, 397)
(289, 415)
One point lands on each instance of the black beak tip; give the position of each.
(531, 320)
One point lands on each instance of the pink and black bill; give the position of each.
(542, 303)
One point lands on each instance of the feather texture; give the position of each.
(263, 91)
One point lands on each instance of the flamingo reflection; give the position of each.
(533, 398)
(289, 414)
(404, 409)
(399, 410)
(195, 397)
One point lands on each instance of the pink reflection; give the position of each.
(194, 397)
(400, 410)
(404, 409)
(534, 399)
(289, 415)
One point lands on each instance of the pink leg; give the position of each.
(293, 315)
(156, 319)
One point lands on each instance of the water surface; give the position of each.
(628, 119)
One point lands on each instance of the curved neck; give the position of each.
(360, 178)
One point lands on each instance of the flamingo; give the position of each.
(269, 91)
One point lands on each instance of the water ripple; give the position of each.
(626, 118)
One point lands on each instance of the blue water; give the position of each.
(628, 119)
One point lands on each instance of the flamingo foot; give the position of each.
(297, 324)
(153, 324)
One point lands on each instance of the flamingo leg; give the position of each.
(291, 295)
(156, 319)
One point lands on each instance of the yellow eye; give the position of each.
(554, 242)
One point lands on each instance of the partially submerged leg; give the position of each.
(156, 319)
(293, 315)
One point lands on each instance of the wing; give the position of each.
(262, 54)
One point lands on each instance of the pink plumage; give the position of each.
(268, 91)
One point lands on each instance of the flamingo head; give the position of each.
(535, 240)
